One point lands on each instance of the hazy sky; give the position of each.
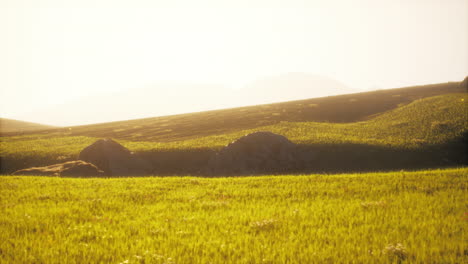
(54, 52)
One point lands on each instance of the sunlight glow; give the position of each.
(58, 53)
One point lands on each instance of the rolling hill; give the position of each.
(334, 109)
(408, 128)
(171, 97)
(16, 126)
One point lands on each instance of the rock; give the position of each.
(259, 152)
(77, 168)
(80, 168)
(114, 159)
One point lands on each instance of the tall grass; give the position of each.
(417, 217)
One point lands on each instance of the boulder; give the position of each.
(114, 159)
(259, 152)
(80, 168)
(77, 168)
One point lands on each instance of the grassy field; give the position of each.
(417, 126)
(413, 217)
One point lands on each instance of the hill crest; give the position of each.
(16, 126)
(346, 108)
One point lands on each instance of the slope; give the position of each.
(426, 133)
(16, 126)
(335, 109)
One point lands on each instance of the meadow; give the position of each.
(394, 217)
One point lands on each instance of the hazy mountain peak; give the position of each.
(292, 86)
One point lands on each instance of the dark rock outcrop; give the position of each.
(77, 168)
(259, 152)
(114, 159)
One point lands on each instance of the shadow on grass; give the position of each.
(327, 158)
(365, 158)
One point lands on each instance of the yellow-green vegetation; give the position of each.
(433, 120)
(413, 217)
(428, 121)
(394, 217)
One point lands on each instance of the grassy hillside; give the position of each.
(418, 217)
(16, 126)
(432, 126)
(431, 120)
(335, 109)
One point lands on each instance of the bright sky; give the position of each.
(55, 52)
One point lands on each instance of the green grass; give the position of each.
(349, 218)
(394, 217)
(429, 121)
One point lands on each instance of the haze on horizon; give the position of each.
(76, 62)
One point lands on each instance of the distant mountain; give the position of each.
(11, 125)
(291, 86)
